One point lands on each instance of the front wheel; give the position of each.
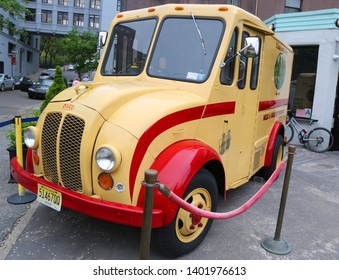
(289, 133)
(187, 230)
(319, 140)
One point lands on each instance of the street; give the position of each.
(311, 225)
(16, 102)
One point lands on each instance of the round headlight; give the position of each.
(30, 137)
(107, 159)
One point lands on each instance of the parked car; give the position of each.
(39, 88)
(70, 67)
(6, 82)
(47, 74)
(17, 81)
(25, 83)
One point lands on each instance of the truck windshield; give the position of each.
(185, 48)
(127, 50)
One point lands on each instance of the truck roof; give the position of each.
(225, 12)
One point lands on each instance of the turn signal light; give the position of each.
(105, 181)
(223, 9)
(36, 158)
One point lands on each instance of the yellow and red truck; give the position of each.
(197, 92)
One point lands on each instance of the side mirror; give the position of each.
(102, 39)
(251, 47)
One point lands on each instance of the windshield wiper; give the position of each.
(199, 33)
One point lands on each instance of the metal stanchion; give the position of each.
(150, 182)
(276, 245)
(21, 197)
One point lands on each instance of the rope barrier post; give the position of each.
(276, 245)
(21, 197)
(150, 182)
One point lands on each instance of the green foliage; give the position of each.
(15, 8)
(81, 50)
(50, 51)
(11, 136)
(57, 86)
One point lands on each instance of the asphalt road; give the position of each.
(311, 224)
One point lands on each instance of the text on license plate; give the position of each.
(49, 197)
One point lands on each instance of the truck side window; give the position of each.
(255, 69)
(243, 64)
(227, 72)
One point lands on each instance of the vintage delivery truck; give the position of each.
(197, 92)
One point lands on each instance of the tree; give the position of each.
(81, 50)
(15, 8)
(57, 86)
(49, 47)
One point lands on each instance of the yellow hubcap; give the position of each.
(188, 226)
(279, 156)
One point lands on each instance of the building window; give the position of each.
(30, 15)
(1, 22)
(94, 21)
(79, 3)
(120, 5)
(78, 19)
(234, 2)
(47, 1)
(29, 56)
(95, 4)
(46, 16)
(63, 18)
(63, 2)
(11, 47)
(292, 6)
(11, 28)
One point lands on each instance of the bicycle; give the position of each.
(318, 139)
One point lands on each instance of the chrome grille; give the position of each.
(68, 139)
(49, 146)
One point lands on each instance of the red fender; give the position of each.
(176, 167)
(29, 161)
(271, 142)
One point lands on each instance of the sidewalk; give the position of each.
(311, 223)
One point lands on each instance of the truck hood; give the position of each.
(130, 105)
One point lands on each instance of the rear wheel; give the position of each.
(319, 140)
(277, 156)
(187, 230)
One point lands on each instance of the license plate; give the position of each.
(49, 197)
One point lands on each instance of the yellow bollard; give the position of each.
(21, 197)
(18, 143)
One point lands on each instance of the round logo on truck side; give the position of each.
(279, 71)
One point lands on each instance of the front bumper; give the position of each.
(102, 209)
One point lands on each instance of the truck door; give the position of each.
(241, 84)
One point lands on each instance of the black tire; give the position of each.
(323, 140)
(2, 88)
(13, 87)
(289, 133)
(185, 232)
(277, 156)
